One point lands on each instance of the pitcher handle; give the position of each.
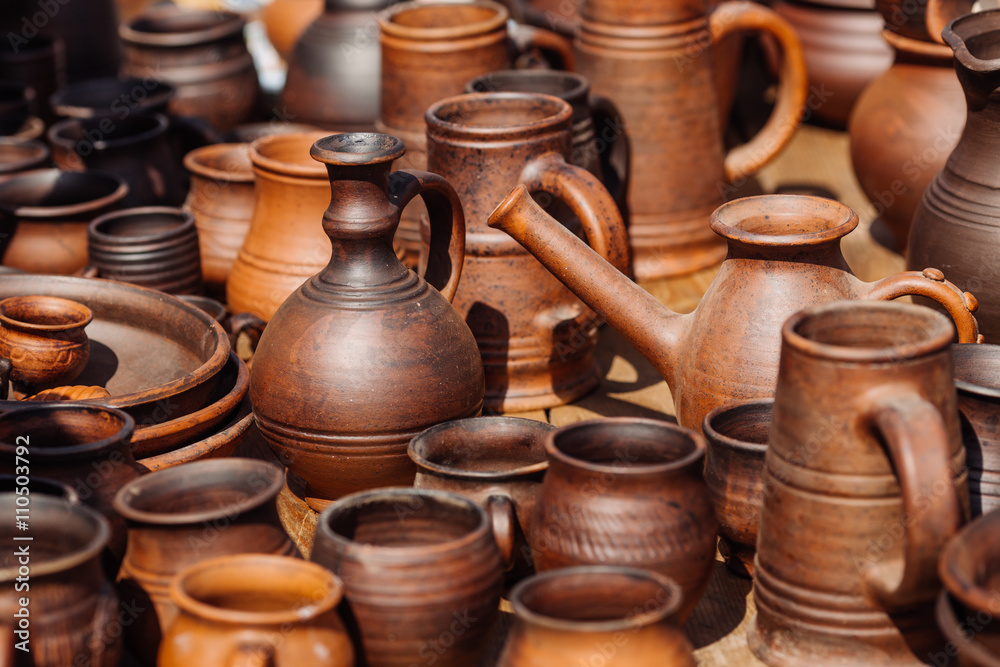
(501, 511)
(616, 157)
(930, 283)
(528, 36)
(940, 13)
(793, 85)
(916, 441)
(441, 265)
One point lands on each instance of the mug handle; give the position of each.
(940, 13)
(916, 441)
(930, 283)
(527, 36)
(441, 265)
(617, 154)
(793, 84)
(501, 512)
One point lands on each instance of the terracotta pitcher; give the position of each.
(654, 61)
(866, 482)
(784, 255)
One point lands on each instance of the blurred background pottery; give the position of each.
(38, 64)
(977, 379)
(286, 20)
(17, 155)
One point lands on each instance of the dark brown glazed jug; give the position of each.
(784, 255)
(977, 378)
(866, 482)
(366, 339)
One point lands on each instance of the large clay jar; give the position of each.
(417, 566)
(612, 616)
(784, 255)
(977, 378)
(956, 223)
(285, 244)
(286, 20)
(654, 61)
(627, 491)
(366, 339)
(51, 576)
(333, 71)
(536, 338)
(202, 54)
(256, 610)
(866, 482)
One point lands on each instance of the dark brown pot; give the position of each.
(45, 339)
(627, 491)
(39, 64)
(113, 97)
(865, 484)
(17, 103)
(40, 485)
(977, 378)
(17, 155)
(536, 339)
(336, 342)
(737, 436)
(416, 565)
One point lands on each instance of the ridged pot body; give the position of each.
(977, 378)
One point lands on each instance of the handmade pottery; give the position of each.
(41, 485)
(963, 644)
(47, 237)
(335, 343)
(416, 565)
(17, 155)
(737, 436)
(38, 63)
(286, 20)
(784, 255)
(45, 339)
(152, 246)
(977, 378)
(17, 102)
(256, 610)
(627, 491)
(71, 608)
(76, 392)
(226, 442)
(970, 573)
(536, 338)
(235, 324)
(865, 481)
(654, 61)
(113, 97)
(613, 616)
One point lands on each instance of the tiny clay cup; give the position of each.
(970, 571)
(977, 379)
(44, 338)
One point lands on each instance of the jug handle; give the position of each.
(930, 283)
(244, 323)
(616, 156)
(441, 265)
(501, 511)
(793, 86)
(528, 36)
(940, 13)
(915, 440)
(252, 654)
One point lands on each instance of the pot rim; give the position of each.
(194, 164)
(160, 96)
(960, 30)
(374, 148)
(66, 210)
(972, 540)
(84, 315)
(38, 154)
(160, 127)
(228, 24)
(712, 435)
(312, 171)
(967, 386)
(121, 437)
(577, 93)
(387, 24)
(559, 118)
(841, 219)
(948, 622)
(95, 231)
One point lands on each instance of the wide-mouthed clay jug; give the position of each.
(784, 255)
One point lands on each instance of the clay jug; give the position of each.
(956, 223)
(654, 61)
(366, 339)
(536, 338)
(286, 20)
(866, 482)
(784, 255)
(977, 378)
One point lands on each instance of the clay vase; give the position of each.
(47, 237)
(956, 221)
(654, 61)
(737, 436)
(152, 246)
(286, 20)
(977, 379)
(285, 244)
(536, 339)
(221, 199)
(613, 616)
(784, 255)
(184, 515)
(84, 446)
(17, 155)
(627, 491)
(416, 565)
(45, 339)
(256, 610)
(333, 71)
(71, 608)
(201, 53)
(39, 64)
(865, 482)
(336, 344)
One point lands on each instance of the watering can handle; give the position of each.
(942, 12)
(930, 283)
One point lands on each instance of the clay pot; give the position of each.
(41, 485)
(17, 155)
(285, 244)
(977, 378)
(536, 339)
(184, 515)
(335, 343)
(784, 255)
(865, 483)
(416, 565)
(235, 324)
(654, 61)
(614, 616)
(17, 102)
(256, 610)
(286, 20)
(627, 491)
(737, 436)
(113, 97)
(72, 609)
(39, 64)
(963, 644)
(154, 246)
(45, 339)
(52, 238)
(201, 53)
(221, 200)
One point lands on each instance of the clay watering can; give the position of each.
(783, 255)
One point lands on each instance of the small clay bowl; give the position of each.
(44, 338)
(969, 568)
